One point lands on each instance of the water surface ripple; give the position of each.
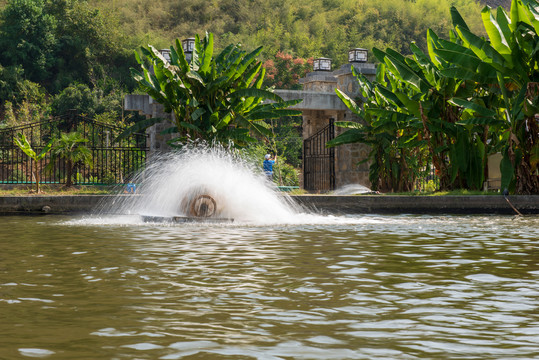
(369, 287)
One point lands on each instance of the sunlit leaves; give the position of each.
(217, 99)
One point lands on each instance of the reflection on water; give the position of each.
(370, 287)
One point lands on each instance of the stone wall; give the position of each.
(367, 204)
(347, 157)
(348, 169)
(148, 107)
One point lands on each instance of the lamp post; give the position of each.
(322, 64)
(188, 46)
(357, 55)
(166, 54)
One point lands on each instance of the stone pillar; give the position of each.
(147, 106)
(348, 157)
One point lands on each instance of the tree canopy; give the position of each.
(56, 43)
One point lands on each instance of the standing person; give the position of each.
(268, 166)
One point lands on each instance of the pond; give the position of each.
(351, 287)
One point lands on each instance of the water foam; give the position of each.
(240, 190)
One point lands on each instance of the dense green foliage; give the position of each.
(60, 54)
(70, 148)
(48, 46)
(214, 98)
(305, 29)
(58, 42)
(21, 141)
(468, 98)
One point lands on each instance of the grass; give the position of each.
(462, 192)
(25, 190)
(465, 192)
(56, 190)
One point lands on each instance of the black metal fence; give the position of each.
(429, 182)
(319, 161)
(111, 162)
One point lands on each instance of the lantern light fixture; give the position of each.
(358, 55)
(188, 46)
(166, 54)
(322, 64)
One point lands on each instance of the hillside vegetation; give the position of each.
(63, 54)
(301, 28)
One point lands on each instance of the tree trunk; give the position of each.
(36, 175)
(69, 181)
(527, 182)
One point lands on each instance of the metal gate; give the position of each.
(112, 162)
(319, 161)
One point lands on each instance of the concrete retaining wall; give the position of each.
(41, 204)
(386, 204)
(367, 204)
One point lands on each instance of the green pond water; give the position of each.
(353, 287)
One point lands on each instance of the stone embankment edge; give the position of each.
(397, 204)
(54, 204)
(326, 204)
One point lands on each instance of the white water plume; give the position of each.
(352, 189)
(240, 191)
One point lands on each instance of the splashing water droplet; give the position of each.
(202, 181)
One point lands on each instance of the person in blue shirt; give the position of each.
(268, 166)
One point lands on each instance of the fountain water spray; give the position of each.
(206, 181)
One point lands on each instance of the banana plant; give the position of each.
(24, 145)
(505, 65)
(397, 156)
(215, 98)
(470, 96)
(413, 93)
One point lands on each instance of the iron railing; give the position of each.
(111, 162)
(319, 161)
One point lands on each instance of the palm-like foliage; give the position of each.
(467, 98)
(24, 145)
(410, 113)
(70, 148)
(506, 66)
(213, 98)
(396, 156)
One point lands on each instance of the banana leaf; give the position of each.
(350, 125)
(495, 34)
(483, 49)
(206, 55)
(348, 137)
(507, 171)
(482, 121)
(259, 93)
(457, 19)
(405, 73)
(273, 114)
(170, 130)
(246, 62)
(24, 145)
(476, 108)
(349, 102)
(138, 127)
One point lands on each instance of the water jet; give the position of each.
(205, 184)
